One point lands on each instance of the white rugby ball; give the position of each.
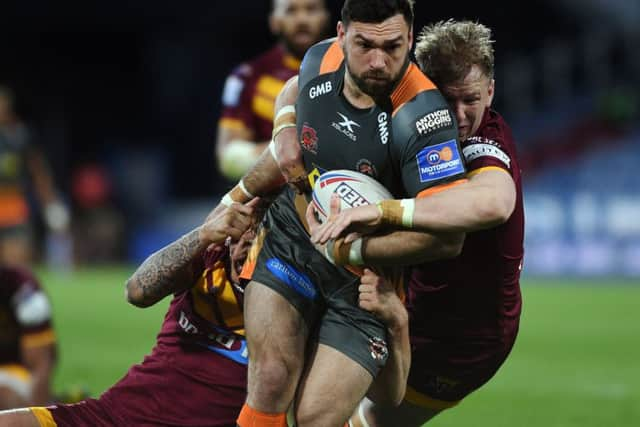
(353, 188)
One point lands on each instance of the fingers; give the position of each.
(311, 219)
(352, 237)
(334, 206)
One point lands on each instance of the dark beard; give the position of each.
(295, 50)
(378, 90)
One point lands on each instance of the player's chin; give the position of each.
(463, 133)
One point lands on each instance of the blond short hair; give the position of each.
(447, 50)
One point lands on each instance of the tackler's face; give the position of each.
(469, 98)
(299, 23)
(376, 53)
(239, 252)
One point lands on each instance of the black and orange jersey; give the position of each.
(408, 142)
(251, 89)
(209, 314)
(25, 315)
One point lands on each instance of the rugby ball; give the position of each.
(354, 189)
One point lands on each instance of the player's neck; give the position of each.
(354, 95)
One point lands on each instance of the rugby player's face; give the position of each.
(299, 23)
(239, 253)
(376, 53)
(469, 98)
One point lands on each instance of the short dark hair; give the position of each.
(375, 11)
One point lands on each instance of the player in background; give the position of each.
(21, 164)
(27, 340)
(245, 126)
(464, 312)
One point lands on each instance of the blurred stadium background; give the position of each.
(125, 98)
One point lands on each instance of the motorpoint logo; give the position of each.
(436, 156)
(439, 161)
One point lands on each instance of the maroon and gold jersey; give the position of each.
(209, 314)
(464, 312)
(196, 373)
(251, 89)
(478, 292)
(25, 315)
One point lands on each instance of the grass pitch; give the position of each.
(576, 361)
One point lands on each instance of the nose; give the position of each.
(458, 108)
(377, 61)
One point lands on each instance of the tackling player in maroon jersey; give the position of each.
(196, 373)
(464, 312)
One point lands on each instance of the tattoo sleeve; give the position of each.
(164, 272)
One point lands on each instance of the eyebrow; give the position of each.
(385, 43)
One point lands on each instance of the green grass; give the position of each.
(576, 361)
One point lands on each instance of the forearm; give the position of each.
(41, 385)
(456, 211)
(485, 201)
(391, 384)
(162, 272)
(40, 362)
(410, 247)
(265, 176)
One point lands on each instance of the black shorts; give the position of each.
(325, 295)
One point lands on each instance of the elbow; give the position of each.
(134, 294)
(398, 397)
(452, 246)
(496, 211)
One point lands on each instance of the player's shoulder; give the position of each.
(321, 58)
(493, 130)
(419, 109)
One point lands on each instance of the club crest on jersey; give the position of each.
(346, 127)
(434, 121)
(439, 161)
(309, 138)
(366, 167)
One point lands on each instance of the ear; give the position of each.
(410, 39)
(491, 92)
(341, 31)
(275, 24)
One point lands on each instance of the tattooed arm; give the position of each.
(170, 269)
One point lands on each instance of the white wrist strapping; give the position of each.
(284, 110)
(245, 191)
(272, 150)
(226, 200)
(408, 208)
